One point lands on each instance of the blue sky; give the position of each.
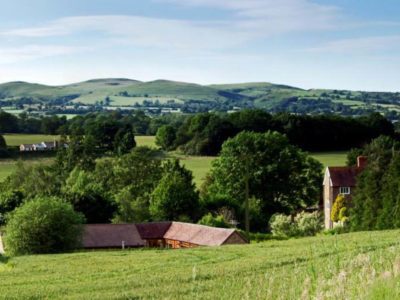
(342, 44)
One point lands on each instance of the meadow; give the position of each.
(199, 165)
(363, 265)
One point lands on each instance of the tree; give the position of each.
(3, 144)
(375, 186)
(165, 137)
(124, 141)
(265, 166)
(9, 200)
(43, 225)
(214, 221)
(175, 197)
(88, 197)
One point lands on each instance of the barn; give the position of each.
(158, 235)
(111, 236)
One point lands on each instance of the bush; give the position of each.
(282, 226)
(340, 202)
(43, 225)
(303, 224)
(308, 224)
(214, 221)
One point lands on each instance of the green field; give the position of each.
(18, 139)
(364, 265)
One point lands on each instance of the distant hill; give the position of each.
(269, 96)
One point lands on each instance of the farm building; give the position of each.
(43, 146)
(158, 234)
(339, 180)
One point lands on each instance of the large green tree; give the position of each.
(165, 137)
(266, 167)
(175, 197)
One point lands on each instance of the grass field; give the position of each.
(18, 139)
(363, 265)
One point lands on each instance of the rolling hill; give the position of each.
(272, 97)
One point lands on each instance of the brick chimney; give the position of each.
(361, 161)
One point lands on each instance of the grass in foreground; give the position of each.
(363, 265)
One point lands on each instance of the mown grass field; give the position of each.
(199, 165)
(363, 265)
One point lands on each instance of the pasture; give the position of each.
(363, 265)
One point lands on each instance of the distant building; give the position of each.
(339, 180)
(158, 234)
(43, 146)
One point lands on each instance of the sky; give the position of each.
(338, 44)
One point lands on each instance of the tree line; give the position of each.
(204, 134)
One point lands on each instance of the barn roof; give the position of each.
(153, 230)
(111, 236)
(198, 234)
(344, 176)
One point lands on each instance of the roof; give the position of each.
(49, 144)
(153, 230)
(111, 236)
(198, 234)
(343, 176)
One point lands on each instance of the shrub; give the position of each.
(340, 202)
(215, 221)
(308, 224)
(282, 226)
(303, 224)
(43, 225)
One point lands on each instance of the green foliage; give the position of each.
(303, 224)
(9, 200)
(88, 197)
(175, 196)
(308, 224)
(375, 199)
(43, 225)
(281, 177)
(215, 221)
(165, 137)
(338, 205)
(282, 226)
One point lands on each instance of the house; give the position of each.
(26, 147)
(339, 180)
(158, 234)
(43, 146)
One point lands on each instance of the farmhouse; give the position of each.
(43, 146)
(339, 180)
(158, 234)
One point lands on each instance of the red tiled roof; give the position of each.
(344, 176)
(153, 230)
(198, 234)
(111, 236)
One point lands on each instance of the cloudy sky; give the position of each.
(343, 44)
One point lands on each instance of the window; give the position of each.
(345, 190)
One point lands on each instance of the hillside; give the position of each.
(195, 97)
(364, 265)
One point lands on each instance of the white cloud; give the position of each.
(30, 52)
(363, 45)
(274, 16)
(141, 31)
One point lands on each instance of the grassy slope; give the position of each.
(97, 90)
(362, 265)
